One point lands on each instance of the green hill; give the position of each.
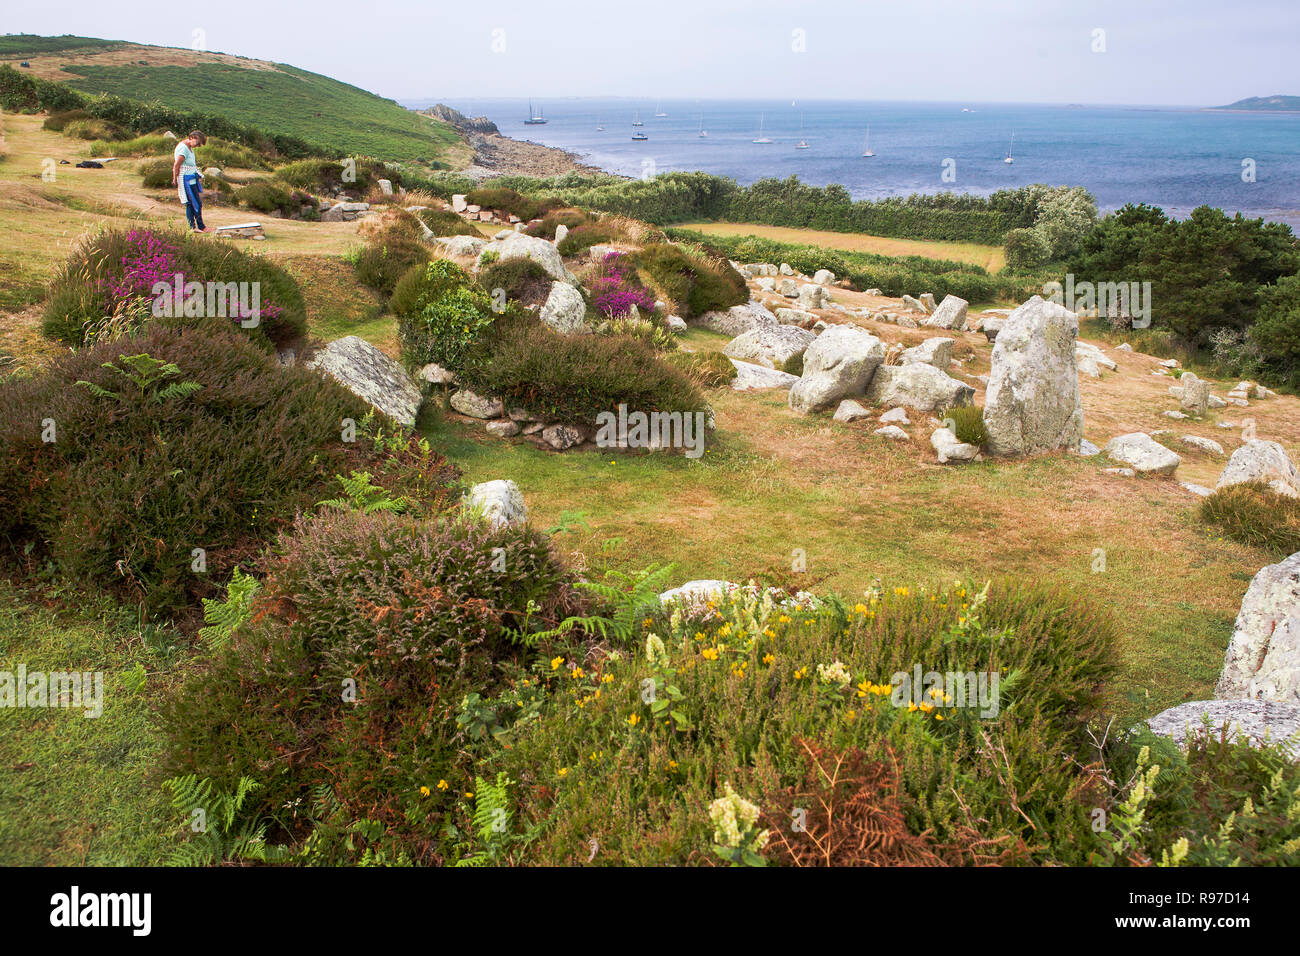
(273, 97)
(1266, 104)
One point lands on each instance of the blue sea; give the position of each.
(1174, 157)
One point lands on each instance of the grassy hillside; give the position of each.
(271, 96)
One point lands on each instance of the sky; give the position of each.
(1153, 52)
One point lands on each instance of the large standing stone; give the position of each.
(913, 303)
(936, 351)
(500, 502)
(363, 369)
(812, 297)
(839, 363)
(561, 233)
(1263, 657)
(917, 386)
(1195, 395)
(1260, 460)
(772, 346)
(1254, 721)
(739, 318)
(564, 309)
(951, 314)
(1143, 454)
(1032, 403)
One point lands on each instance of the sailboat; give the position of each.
(761, 138)
(535, 118)
(600, 127)
(659, 110)
(636, 119)
(803, 143)
(1009, 160)
(866, 144)
(703, 132)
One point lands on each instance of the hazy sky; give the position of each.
(1194, 52)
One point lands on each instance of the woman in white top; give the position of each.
(188, 180)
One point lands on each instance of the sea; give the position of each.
(1177, 158)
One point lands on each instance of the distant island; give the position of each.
(1265, 104)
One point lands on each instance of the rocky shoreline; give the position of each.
(498, 155)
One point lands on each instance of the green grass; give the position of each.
(287, 100)
(76, 790)
(28, 44)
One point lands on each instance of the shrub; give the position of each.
(108, 280)
(570, 218)
(444, 222)
(1025, 249)
(793, 365)
(94, 129)
(575, 377)
(507, 201)
(582, 238)
(708, 369)
(416, 616)
(424, 282)
(173, 438)
(57, 122)
(325, 175)
(451, 329)
(266, 195)
(523, 280)
(1276, 331)
(138, 146)
(743, 684)
(156, 174)
(1253, 513)
(393, 246)
(967, 423)
(616, 287)
(694, 284)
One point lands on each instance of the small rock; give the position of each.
(476, 406)
(561, 437)
(500, 502)
(895, 416)
(1204, 444)
(1143, 454)
(850, 411)
(503, 428)
(949, 449)
(892, 431)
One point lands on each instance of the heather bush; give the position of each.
(57, 122)
(575, 377)
(381, 264)
(616, 287)
(107, 284)
(508, 201)
(156, 174)
(179, 436)
(266, 195)
(444, 222)
(570, 218)
(341, 692)
(583, 237)
(693, 283)
(522, 279)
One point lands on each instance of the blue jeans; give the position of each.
(194, 203)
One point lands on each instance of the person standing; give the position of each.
(188, 180)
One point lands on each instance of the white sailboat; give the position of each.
(803, 143)
(659, 110)
(636, 118)
(1009, 160)
(866, 144)
(703, 132)
(600, 127)
(761, 139)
